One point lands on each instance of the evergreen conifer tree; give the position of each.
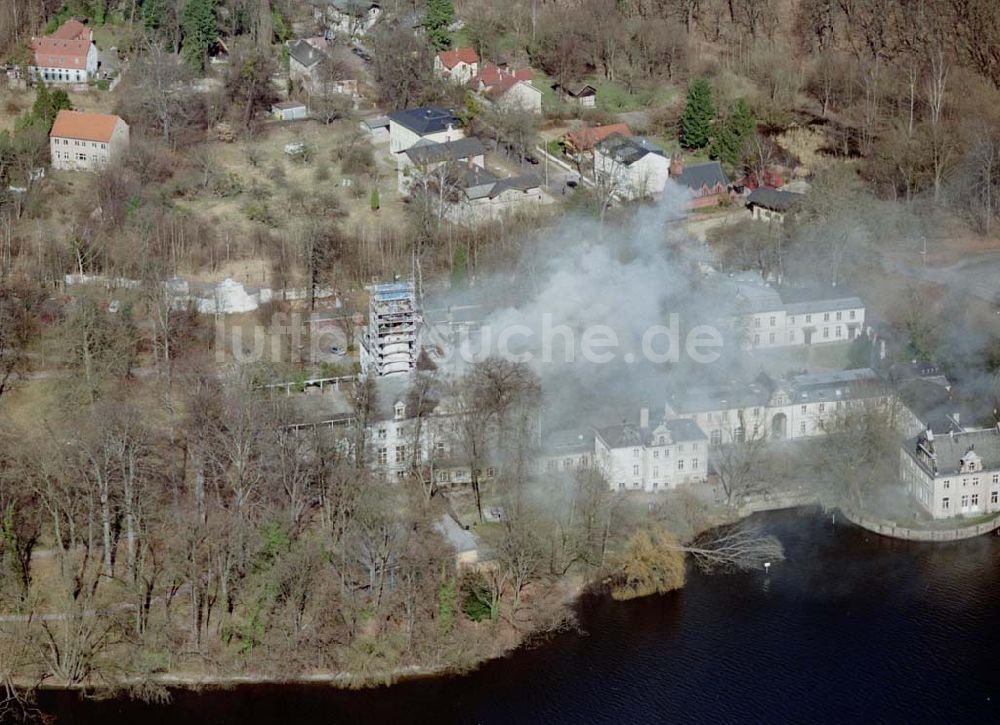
(439, 15)
(699, 112)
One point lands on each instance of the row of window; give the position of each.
(78, 142)
(656, 469)
(975, 481)
(773, 321)
(552, 466)
(57, 74)
(771, 339)
(969, 501)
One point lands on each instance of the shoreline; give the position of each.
(352, 681)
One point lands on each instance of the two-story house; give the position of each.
(69, 55)
(770, 316)
(630, 167)
(87, 141)
(636, 457)
(428, 123)
(457, 64)
(428, 157)
(953, 474)
(508, 89)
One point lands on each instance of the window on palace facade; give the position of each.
(945, 503)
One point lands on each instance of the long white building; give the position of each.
(792, 316)
(801, 406)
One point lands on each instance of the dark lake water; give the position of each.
(851, 628)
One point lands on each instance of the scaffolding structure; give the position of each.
(389, 342)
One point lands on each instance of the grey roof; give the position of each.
(948, 450)
(729, 396)
(628, 434)
(683, 430)
(942, 408)
(584, 89)
(839, 385)
(804, 300)
(477, 182)
(425, 119)
(377, 122)
(460, 538)
(523, 182)
(621, 436)
(392, 389)
(305, 53)
(773, 198)
(568, 442)
(628, 149)
(695, 176)
(431, 153)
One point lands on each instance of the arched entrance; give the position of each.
(779, 424)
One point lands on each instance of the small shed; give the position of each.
(289, 111)
(378, 127)
(584, 95)
(463, 541)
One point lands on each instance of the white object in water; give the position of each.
(767, 567)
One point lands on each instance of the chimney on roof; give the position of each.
(643, 418)
(676, 164)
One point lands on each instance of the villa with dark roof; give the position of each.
(953, 474)
(631, 167)
(426, 123)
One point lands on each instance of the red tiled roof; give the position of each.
(84, 126)
(59, 53)
(493, 77)
(451, 58)
(586, 138)
(72, 29)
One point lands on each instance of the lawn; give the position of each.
(614, 97)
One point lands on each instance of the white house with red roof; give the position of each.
(508, 89)
(69, 55)
(87, 141)
(457, 64)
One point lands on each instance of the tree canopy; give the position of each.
(699, 112)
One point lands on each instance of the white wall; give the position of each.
(402, 138)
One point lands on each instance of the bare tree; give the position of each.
(19, 304)
(734, 547)
(740, 463)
